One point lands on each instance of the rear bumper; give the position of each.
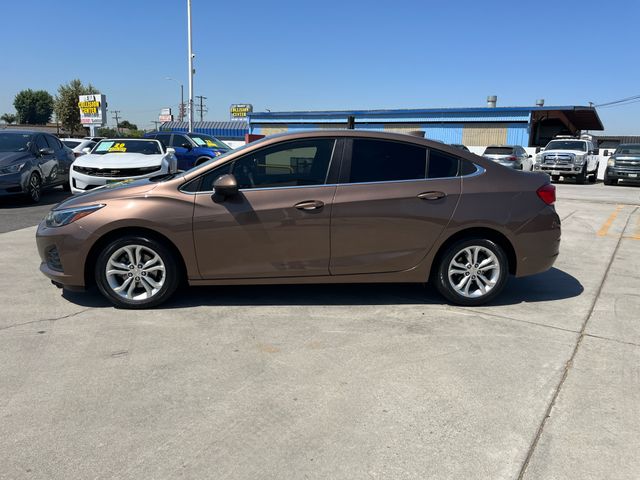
(538, 243)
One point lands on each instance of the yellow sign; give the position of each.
(118, 147)
(89, 108)
(241, 110)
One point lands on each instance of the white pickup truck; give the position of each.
(569, 157)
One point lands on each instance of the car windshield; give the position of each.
(70, 143)
(498, 151)
(145, 147)
(14, 142)
(628, 149)
(208, 141)
(567, 145)
(224, 155)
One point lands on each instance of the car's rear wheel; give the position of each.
(472, 271)
(34, 188)
(136, 272)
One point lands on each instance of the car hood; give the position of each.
(562, 152)
(119, 160)
(110, 191)
(7, 158)
(626, 156)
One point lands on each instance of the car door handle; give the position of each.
(309, 205)
(431, 195)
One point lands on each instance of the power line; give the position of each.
(622, 101)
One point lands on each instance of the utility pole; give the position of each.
(181, 109)
(203, 108)
(190, 111)
(115, 117)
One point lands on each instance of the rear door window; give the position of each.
(386, 161)
(442, 165)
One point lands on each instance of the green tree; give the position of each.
(33, 107)
(9, 118)
(66, 104)
(128, 125)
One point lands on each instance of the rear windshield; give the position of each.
(567, 145)
(145, 147)
(70, 143)
(628, 150)
(498, 151)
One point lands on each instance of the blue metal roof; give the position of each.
(229, 130)
(584, 114)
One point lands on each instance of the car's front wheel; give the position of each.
(136, 272)
(472, 272)
(34, 188)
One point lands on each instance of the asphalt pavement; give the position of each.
(341, 382)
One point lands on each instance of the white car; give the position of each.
(117, 160)
(77, 145)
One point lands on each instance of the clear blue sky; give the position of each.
(285, 55)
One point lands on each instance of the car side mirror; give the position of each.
(226, 185)
(606, 153)
(538, 149)
(46, 151)
(86, 150)
(186, 145)
(171, 151)
(530, 156)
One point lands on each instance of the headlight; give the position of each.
(15, 168)
(611, 162)
(59, 218)
(579, 159)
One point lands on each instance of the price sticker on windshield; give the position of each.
(210, 143)
(118, 147)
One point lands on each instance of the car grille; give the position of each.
(116, 172)
(558, 158)
(628, 163)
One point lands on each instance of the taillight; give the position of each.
(512, 158)
(547, 194)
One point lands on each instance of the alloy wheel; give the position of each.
(474, 271)
(35, 188)
(135, 272)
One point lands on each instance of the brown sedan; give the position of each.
(314, 207)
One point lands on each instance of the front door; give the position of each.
(396, 201)
(278, 223)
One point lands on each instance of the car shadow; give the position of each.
(49, 197)
(552, 285)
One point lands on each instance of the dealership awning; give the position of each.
(230, 130)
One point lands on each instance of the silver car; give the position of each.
(512, 156)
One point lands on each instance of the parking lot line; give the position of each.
(607, 224)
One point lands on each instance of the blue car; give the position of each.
(191, 148)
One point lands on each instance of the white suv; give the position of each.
(569, 157)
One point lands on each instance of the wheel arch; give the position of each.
(477, 232)
(202, 159)
(96, 248)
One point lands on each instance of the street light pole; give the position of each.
(181, 108)
(190, 111)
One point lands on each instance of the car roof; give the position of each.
(21, 132)
(115, 139)
(503, 146)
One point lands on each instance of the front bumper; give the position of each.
(63, 252)
(622, 173)
(13, 183)
(81, 182)
(562, 169)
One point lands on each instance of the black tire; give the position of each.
(593, 178)
(201, 160)
(444, 283)
(34, 188)
(581, 178)
(66, 186)
(149, 246)
(610, 181)
(555, 178)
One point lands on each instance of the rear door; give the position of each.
(393, 202)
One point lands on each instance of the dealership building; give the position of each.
(527, 126)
